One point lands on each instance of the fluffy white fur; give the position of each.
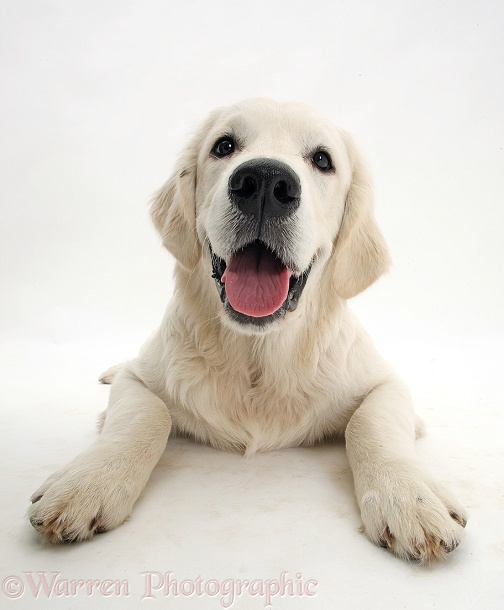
(311, 375)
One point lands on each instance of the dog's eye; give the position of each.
(322, 160)
(223, 147)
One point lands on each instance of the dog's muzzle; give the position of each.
(255, 284)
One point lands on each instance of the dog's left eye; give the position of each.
(223, 147)
(322, 160)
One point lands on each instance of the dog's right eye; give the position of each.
(223, 147)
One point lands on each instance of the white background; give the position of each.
(97, 100)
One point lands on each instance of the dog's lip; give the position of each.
(297, 283)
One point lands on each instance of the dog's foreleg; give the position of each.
(402, 507)
(96, 491)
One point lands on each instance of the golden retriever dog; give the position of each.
(269, 215)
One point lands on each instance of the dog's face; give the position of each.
(269, 193)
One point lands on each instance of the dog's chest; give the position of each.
(249, 408)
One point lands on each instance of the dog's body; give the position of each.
(272, 202)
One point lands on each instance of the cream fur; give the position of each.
(312, 375)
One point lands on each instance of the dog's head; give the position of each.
(266, 196)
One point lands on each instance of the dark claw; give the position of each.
(97, 525)
(450, 547)
(460, 520)
(386, 539)
(37, 498)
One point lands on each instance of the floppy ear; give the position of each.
(173, 208)
(360, 253)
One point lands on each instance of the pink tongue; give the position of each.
(256, 282)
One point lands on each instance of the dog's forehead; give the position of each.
(282, 125)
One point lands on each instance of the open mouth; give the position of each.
(255, 286)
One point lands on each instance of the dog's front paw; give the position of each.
(404, 510)
(92, 494)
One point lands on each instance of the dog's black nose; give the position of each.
(265, 188)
